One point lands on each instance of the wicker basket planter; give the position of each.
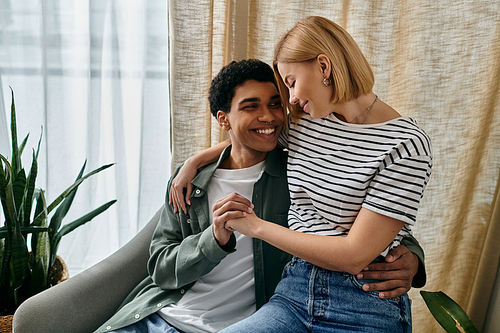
(6, 324)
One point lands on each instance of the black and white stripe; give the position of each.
(335, 168)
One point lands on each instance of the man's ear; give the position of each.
(223, 120)
(325, 64)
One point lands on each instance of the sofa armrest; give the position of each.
(85, 301)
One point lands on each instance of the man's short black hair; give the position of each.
(221, 91)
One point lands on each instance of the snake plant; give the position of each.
(24, 273)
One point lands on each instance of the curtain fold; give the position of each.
(436, 61)
(192, 58)
(485, 276)
(94, 74)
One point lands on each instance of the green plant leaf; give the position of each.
(70, 189)
(9, 213)
(62, 210)
(448, 313)
(7, 189)
(42, 250)
(19, 258)
(2, 256)
(16, 159)
(25, 230)
(39, 206)
(66, 229)
(19, 294)
(5, 268)
(23, 145)
(38, 278)
(3, 187)
(30, 190)
(39, 142)
(18, 187)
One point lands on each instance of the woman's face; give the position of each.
(305, 86)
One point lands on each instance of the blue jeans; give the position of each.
(312, 299)
(152, 324)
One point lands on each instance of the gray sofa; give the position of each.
(84, 302)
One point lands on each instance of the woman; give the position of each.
(356, 171)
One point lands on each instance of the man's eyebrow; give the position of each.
(275, 96)
(251, 99)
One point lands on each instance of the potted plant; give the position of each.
(24, 273)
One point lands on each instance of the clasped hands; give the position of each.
(232, 213)
(235, 213)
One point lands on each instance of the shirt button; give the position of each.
(189, 221)
(182, 291)
(197, 191)
(108, 328)
(158, 305)
(137, 316)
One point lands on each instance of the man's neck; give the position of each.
(240, 160)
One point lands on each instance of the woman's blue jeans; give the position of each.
(312, 299)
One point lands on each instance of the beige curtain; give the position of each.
(437, 61)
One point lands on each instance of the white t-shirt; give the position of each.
(226, 294)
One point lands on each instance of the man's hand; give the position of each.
(232, 206)
(396, 273)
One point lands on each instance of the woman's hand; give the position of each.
(179, 183)
(232, 206)
(248, 225)
(187, 173)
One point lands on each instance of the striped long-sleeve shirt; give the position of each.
(335, 168)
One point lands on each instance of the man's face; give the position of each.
(256, 117)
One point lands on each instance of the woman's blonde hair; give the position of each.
(351, 75)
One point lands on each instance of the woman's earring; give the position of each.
(327, 81)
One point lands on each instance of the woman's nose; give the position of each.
(293, 99)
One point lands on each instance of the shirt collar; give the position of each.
(204, 176)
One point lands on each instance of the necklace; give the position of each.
(367, 111)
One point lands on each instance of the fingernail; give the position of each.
(366, 287)
(382, 295)
(390, 257)
(366, 268)
(359, 276)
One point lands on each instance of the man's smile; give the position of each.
(266, 130)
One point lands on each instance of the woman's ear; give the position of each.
(223, 120)
(325, 65)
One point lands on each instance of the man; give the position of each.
(202, 276)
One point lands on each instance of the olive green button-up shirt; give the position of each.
(184, 248)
